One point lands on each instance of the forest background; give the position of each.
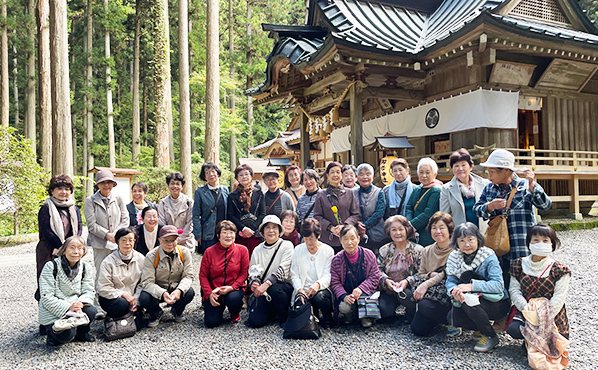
(101, 64)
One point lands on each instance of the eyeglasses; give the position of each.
(271, 227)
(73, 248)
(127, 240)
(168, 241)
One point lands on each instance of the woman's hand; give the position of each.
(420, 291)
(402, 284)
(167, 298)
(389, 285)
(110, 237)
(247, 232)
(214, 298)
(459, 290)
(361, 228)
(76, 306)
(254, 287)
(356, 293)
(261, 289)
(530, 177)
(336, 230)
(176, 295)
(349, 299)
(496, 204)
(300, 296)
(132, 301)
(224, 290)
(313, 289)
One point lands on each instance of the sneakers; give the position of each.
(177, 318)
(476, 335)
(452, 331)
(155, 321)
(367, 323)
(236, 318)
(69, 322)
(485, 343)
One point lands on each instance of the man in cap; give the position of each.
(276, 199)
(521, 215)
(167, 277)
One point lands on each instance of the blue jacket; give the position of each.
(489, 269)
(204, 212)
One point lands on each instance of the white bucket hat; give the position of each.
(501, 158)
(271, 219)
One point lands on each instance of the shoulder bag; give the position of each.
(368, 306)
(301, 322)
(120, 327)
(497, 233)
(514, 309)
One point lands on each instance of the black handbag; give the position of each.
(301, 323)
(120, 327)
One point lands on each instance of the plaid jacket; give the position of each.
(520, 216)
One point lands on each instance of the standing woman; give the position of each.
(139, 191)
(459, 195)
(105, 213)
(398, 192)
(372, 206)
(397, 260)
(424, 200)
(119, 281)
(209, 206)
(222, 276)
(292, 182)
(475, 283)
(66, 285)
(306, 203)
(247, 208)
(176, 209)
(58, 219)
(148, 231)
(335, 207)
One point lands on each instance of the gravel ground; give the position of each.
(190, 344)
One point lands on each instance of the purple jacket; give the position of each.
(338, 273)
(348, 212)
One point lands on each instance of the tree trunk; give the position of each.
(30, 117)
(88, 96)
(212, 148)
(109, 108)
(15, 83)
(45, 83)
(231, 96)
(62, 154)
(170, 122)
(249, 81)
(161, 83)
(192, 98)
(135, 150)
(4, 72)
(74, 123)
(184, 104)
(144, 114)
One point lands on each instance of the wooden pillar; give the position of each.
(304, 145)
(574, 204)
(356, 102)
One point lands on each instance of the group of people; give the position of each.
(417, 246)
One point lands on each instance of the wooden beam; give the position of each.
(356, 98)
(329, 80)
(304, 144)
(393, 93)
(394, 71)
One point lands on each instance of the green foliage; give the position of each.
(18, 166)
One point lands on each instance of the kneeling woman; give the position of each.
(119, 280)
(310, 270)
(475, 283)
(353, 272)
(540, 276)
(66, 289)
(222, 276)
(270, 275)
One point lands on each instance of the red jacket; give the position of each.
(212, 273)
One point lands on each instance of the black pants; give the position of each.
(263, 311)
(213, 315)
(152, 305)
(514, 330)
(205, 244)
(428, 315)
(478, 317)
(388, 303)
(117, 307)
(322, 302)
(70, 334)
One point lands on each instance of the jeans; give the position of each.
(213, 314)
(264, 311)
(429, 313)
(478, 317)
(152, 305)
(69, 334)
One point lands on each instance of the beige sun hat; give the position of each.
(501, 158)
(271, 219)
(105, 175)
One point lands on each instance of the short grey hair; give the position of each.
(427, 161)
(72, 240)
(366, 167)
(464, 230)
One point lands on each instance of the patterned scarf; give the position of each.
(56, 222)
(245, 195)
(456, 264)
(467, 190)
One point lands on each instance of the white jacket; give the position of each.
(451, 200)
(301, 261)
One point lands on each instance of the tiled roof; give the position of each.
(282, 139)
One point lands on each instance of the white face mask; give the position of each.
(541, 249)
